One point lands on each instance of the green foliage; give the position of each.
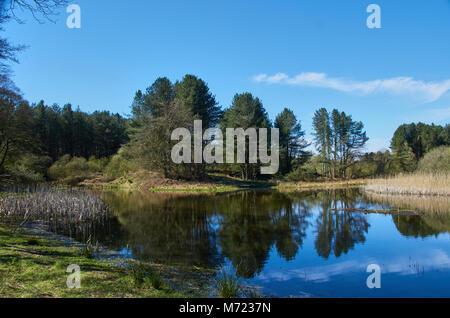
(310, 171)
(155, 279)
(158, 112)
(145, 275)
(76, 167)
(372, 165)
(339, 140)
(437, 160)
(33, 137)
(292, 141)
(73, 170)
(193, 93)
(322, 135)
(228, 283)
(246, 112)
(419, 139)
(118, 166)
(306, 173)
(97, 165)
(138, 270)
(58, 170)
(159, 94)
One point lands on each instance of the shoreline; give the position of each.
(214, 183)
(39, 259)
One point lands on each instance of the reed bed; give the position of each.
(67, 211)
(424, 184)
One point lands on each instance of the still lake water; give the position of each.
(299, 244)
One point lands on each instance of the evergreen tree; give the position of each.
(322, 138)
(246, 112)
(292, 141)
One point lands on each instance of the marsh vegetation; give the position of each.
(420, 183)
(72, 211)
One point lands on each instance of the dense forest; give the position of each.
(40, 142)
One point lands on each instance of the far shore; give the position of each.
(215, 183)
(406, 184)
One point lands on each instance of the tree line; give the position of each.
(53, 141)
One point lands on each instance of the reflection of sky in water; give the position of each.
(288, 243)
(409, 267)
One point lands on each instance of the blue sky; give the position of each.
(298, 54)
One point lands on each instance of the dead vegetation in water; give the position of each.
(57, 208)
(423, 184)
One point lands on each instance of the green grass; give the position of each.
(31, 266)
(228, 284)
(198, 189)
(318, 186)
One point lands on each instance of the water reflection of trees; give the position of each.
(244, 227)
(337, 231)
(167, 229)
(422, 226)
(252, 222)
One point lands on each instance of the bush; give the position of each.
(96, 165)
(118, 167)
(307, 172)
(77, 167)
(71, 170)
(33, 163)
(437, 160)
(29, 168)
(57, 170)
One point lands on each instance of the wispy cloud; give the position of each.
(427, 91)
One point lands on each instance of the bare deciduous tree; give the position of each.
(38, 8)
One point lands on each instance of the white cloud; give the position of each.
(428, 91)
(432, 260)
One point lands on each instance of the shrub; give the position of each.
(57, 170)
(71, 170)
(437, 160)
(96, 165)
(228, 284)
(155, 279)
(138, 270)
(118, 167)
(306, 173)
(76, 167)
(33, 163)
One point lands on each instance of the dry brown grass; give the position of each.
(428, 184)
(424, 204)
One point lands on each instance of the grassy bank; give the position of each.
(214, 182)
(300, 186)
(33, 266)
(437, 184)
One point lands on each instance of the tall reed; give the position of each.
(431, 184)
(69, 210)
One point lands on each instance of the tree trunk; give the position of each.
(5, 148)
